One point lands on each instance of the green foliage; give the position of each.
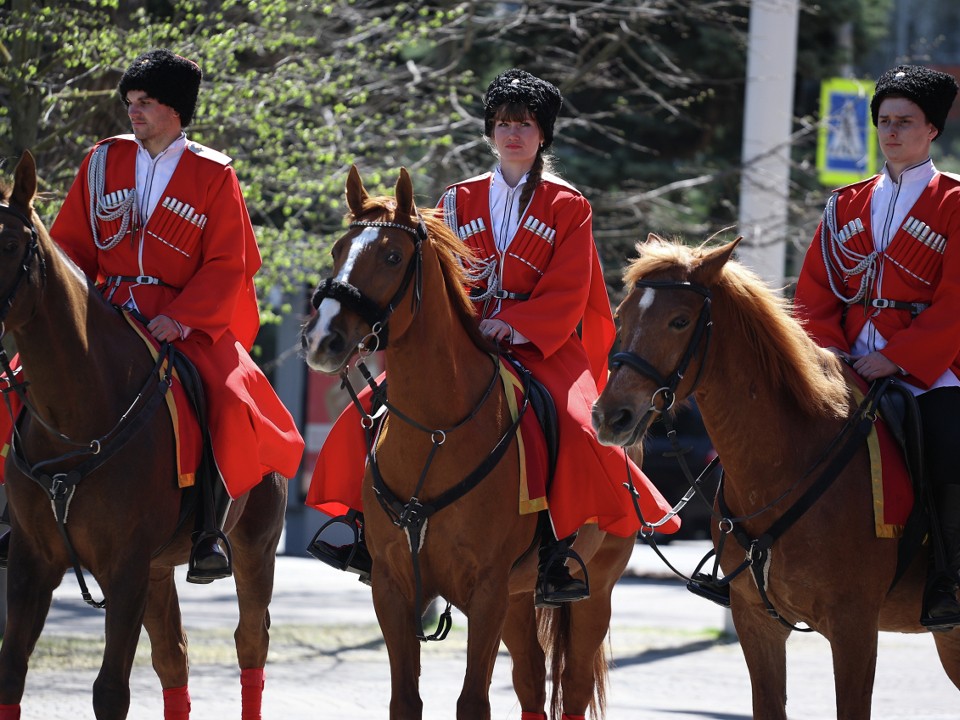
(298, 91)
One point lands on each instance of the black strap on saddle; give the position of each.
(206, 497)
(899, 410)
(545, 410)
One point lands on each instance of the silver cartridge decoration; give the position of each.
(917, 249)
(925, 234)
(540, 228)
(854, 227)
(534, 243)
(178, 225)
(471, 228)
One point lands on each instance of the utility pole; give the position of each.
(768, 122)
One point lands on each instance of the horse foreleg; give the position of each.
(254, 541)
(763, 641)
(529, 663)
(125, 591)
(395, 616)
(168, 642)
(487, 611)
(854, 652)
(30, 585)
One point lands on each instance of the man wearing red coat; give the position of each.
(880, 285)
(160, 224)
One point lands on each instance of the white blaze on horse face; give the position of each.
(643, 304)
(330, 308)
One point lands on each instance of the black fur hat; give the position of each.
(168, 78)
(518, 86)
(932, 90)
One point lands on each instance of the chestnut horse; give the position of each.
(772, 402)
(478, 552)
(86, 366)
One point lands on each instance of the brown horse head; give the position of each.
(21, 232)
(664, 333)
(674, 289)
(380, 270)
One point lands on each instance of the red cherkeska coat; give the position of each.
(919, 266)
(206, 257)
(552, 258)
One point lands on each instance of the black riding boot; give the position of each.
(5, 536)
(555, 585)
(353, 557)
(211, 556)
(4, 547)
(941, 610)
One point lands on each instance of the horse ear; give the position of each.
(708, 269)
(404, 195)
(356, 192)
(653, 237)
(25, 181)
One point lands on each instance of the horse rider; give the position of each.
(159, 223)
(539, 281)
(880, 286)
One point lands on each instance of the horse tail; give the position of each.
(557, 640)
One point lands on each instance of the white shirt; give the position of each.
(153, 174)
(505, 209)
(505, 218)
(890, 204)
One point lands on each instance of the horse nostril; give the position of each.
(622, 420)
(335, 342)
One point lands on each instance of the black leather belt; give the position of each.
(914, 308)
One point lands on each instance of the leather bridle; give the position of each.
(354, 299)
(667, 392)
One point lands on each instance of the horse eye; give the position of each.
(679, 323)
(11, 247)
(394, 258)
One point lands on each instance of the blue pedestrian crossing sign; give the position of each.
(847, 141)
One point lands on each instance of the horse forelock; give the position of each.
(448, 247)
(786, 356)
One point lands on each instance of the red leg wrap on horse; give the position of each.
(532, 716)
(9, 712)
(573, 717)
(176, 703)
(251, 693)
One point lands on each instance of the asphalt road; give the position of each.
(672, 659)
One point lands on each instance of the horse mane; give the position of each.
(450, 249)
(788, 358)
